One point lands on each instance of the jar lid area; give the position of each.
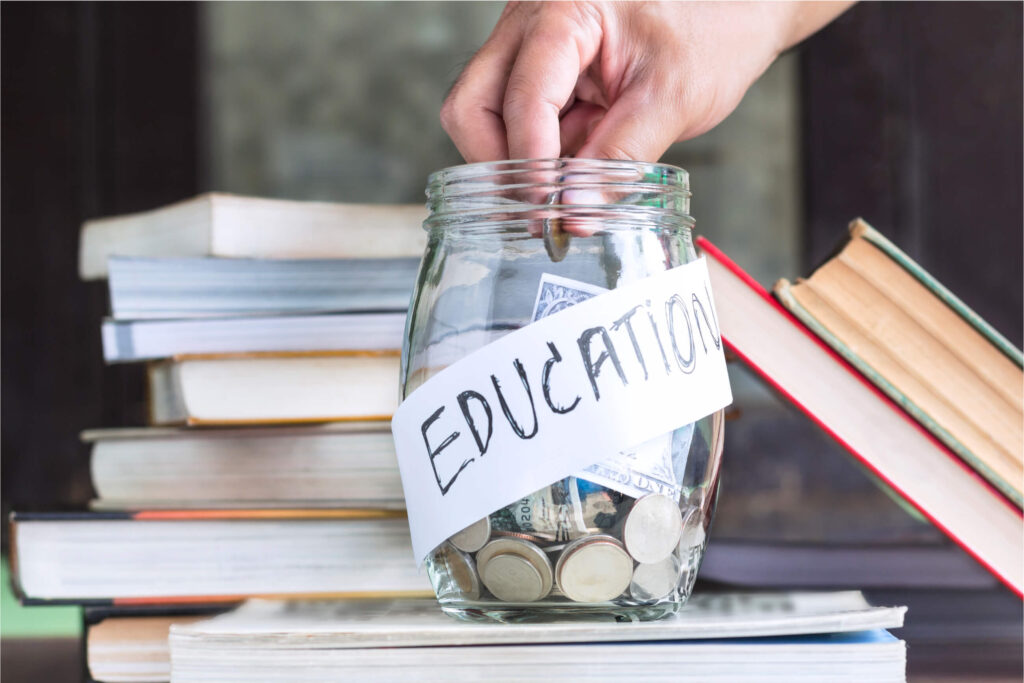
(469, 192)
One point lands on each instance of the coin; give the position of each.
(515, 570)
(473, 537)
(513, 579)
(652, 528)
(692, 535)
(461, 569)
(538, 540)
(556, 240)
(594, 569)
(654, 581)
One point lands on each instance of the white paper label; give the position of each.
(556, 396)
(646, 468)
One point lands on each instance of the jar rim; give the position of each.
(481, 195)
(642, 171)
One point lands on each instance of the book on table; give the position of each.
(127, 341)
(131, 648)
(339, 464)
(870, 425)
(190, 556)
(268, 388)
(232, 226)
(923, 347)
(165, 288)
(794, 636)
(118, 644)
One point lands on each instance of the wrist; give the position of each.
(798, 20)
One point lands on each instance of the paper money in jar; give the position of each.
(552, 514)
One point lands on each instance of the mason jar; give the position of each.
(624, 537)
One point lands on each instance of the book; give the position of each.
(116, 651)
(126, 341)
(131, 649)
(273, 388)
(715, 635)
(206, 556)
(875, 430)
(162, 288)
(233, 226)
(349, 464)
(859, 656)
(923, 347)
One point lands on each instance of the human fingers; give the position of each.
(576, 125)
(559, 42)
(472, 112)
(640, 125)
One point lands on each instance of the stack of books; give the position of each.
(270, 335)
(726, 636)
(275, 326)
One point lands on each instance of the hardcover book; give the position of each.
(204, 556)
(923, 347)
(274, 388)
(232, 226)
(866, 422)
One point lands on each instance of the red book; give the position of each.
(876, 431)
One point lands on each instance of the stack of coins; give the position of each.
(575, 541)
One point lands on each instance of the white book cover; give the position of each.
(723, 637)
(416, 623)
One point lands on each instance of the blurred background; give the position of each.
(907, 114)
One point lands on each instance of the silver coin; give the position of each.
(594, 569)
(654, 581)
(692, 535)
(473, 537)
(513, 579)
(461, 570)
(509, 579)
(652, 528)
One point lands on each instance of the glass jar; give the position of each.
(626, 539)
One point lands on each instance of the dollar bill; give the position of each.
(552, 514)
(647, 468)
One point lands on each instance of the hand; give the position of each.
(616, 80)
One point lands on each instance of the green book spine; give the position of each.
(785, 297)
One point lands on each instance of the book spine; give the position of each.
(713, 252)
